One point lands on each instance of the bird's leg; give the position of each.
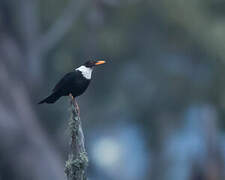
(75, 104)
(77, 107)
(70, 94)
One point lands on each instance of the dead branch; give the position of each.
(77, 162)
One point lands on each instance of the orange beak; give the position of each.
(99, 62)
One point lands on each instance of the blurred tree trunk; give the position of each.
(21, 134)
(21, 53)
(212, 167)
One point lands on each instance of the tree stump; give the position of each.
(77, 162)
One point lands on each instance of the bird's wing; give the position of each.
(66, 80)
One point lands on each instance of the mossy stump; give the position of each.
(75, 167)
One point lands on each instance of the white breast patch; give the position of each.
(86, 71)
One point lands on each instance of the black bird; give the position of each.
(73, 83)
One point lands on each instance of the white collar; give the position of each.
(85, 71)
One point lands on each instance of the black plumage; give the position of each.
(73, 83)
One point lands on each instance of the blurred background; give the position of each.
(155, 111)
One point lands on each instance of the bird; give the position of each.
(74, 83)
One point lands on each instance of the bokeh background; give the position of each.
(155, 111)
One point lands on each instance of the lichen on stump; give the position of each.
(76, 165)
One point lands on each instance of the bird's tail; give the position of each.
(50, 99)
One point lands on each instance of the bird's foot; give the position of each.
(75, 104)
(70, 94)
